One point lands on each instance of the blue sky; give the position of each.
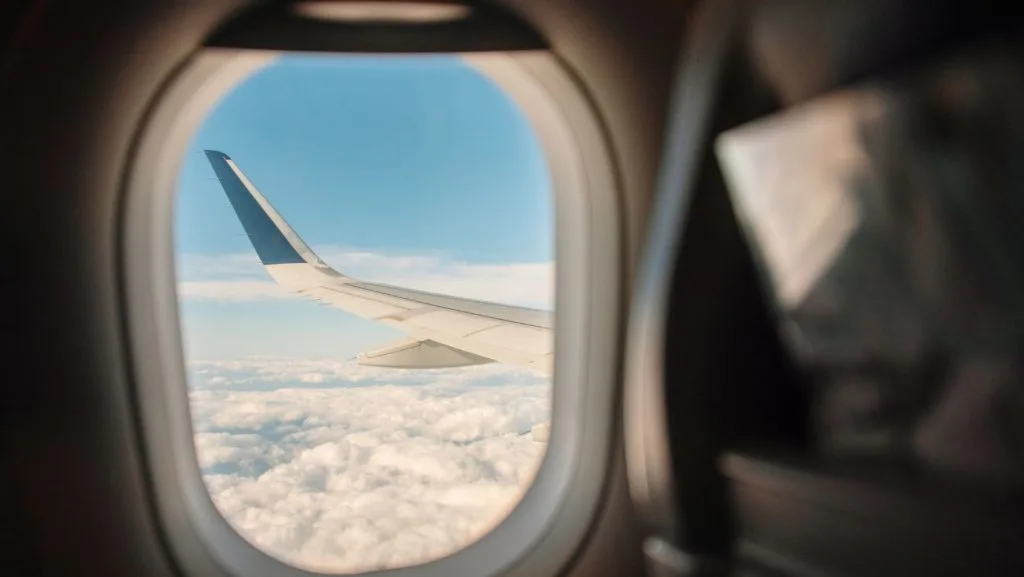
(391, 158)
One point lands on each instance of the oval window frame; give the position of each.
(543, 531)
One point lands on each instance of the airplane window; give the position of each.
(364, 251)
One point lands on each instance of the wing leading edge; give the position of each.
(444, 331)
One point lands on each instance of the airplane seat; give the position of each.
(838, 383)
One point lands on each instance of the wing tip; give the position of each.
(216, 154)
(267, 231)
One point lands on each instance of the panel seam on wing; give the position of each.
(452, 309)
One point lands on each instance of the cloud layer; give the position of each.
(341, 468)
(240, 277)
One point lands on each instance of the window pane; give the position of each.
(365, 271)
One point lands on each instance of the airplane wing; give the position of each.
(444, 331)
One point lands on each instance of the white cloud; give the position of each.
(221, 266)
(233, 290)
(240, 277)
(341, 468)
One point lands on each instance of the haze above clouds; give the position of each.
(240, 277)
(335, 467)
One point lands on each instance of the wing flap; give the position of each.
(419, 354)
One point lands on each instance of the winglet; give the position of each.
(275, 242)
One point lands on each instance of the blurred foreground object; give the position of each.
(887, 221)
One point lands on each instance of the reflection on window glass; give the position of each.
(364, 255)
